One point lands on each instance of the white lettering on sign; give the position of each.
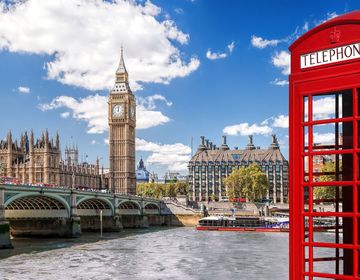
(342, 53)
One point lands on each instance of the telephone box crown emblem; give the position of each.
(335, 35)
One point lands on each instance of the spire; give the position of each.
(250, 145)
(121, 68)
(57, 140)
(122, 79)
(31, 139)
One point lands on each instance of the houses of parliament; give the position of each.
(39, 161)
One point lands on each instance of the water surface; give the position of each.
(176, 253)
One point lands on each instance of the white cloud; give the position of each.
(282, 61)
(324, 138)
(93, 109)
(231, 46)
(261, 43)
(281, 121)
(213, 55)
(245, 129)
(149, 101)
(24, 90)
(218, 55)
(321, 138)
(328, 16)
(174, 156)
(323, 108)
(179, 11)
(93, 142)
(83, 38)
(280, 82)
(65, 115)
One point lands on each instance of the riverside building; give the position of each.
(39, 162)
(209, 167)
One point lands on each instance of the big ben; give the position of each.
(122, 121)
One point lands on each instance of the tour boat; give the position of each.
(258, 224)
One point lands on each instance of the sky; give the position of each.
(196, 67)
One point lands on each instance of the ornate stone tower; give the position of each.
(122, 119)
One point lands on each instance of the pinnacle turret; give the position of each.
(122, 78)
(121, 68)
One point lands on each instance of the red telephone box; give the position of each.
(324, 151)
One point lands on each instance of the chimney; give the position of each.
(207, 143)
(224, 146)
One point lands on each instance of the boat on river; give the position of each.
(258, 224)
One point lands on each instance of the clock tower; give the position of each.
(122, 121)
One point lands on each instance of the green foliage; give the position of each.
(247, 182)
(158, 191)
(327, 192)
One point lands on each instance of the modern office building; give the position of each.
(209, 167)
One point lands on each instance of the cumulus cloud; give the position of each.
(321, 138)
(218, 55)
(213, 55)
(282, 60)
(82, 40)
(261, 43)
(174, 156)
(280, 82)
(24, 90)
(65, 115)
(324, 108)
(245, 129)
(281, 121)
(93, 110)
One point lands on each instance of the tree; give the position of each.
(181, 187)
(158, 191)
(329, 176)
(247, 182)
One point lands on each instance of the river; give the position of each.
(174, 253)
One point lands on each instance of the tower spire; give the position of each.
(121, 68)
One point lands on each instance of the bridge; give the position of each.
(64, 212)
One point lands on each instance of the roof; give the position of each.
(254, 155)
(348, 18)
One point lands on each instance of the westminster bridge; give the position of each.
(65, 212)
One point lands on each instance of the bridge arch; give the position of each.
(151, 208)
(129, 207)
(36, 206)
(93, 206)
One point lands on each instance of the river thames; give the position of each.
(175, 253)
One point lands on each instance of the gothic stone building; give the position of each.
(39, 162)
(211, 165)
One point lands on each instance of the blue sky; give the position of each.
(196, 67)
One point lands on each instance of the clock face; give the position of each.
(118, 110)
(132, 111)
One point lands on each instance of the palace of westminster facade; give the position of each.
(39, 161)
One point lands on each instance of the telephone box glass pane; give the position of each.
(332, 105)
